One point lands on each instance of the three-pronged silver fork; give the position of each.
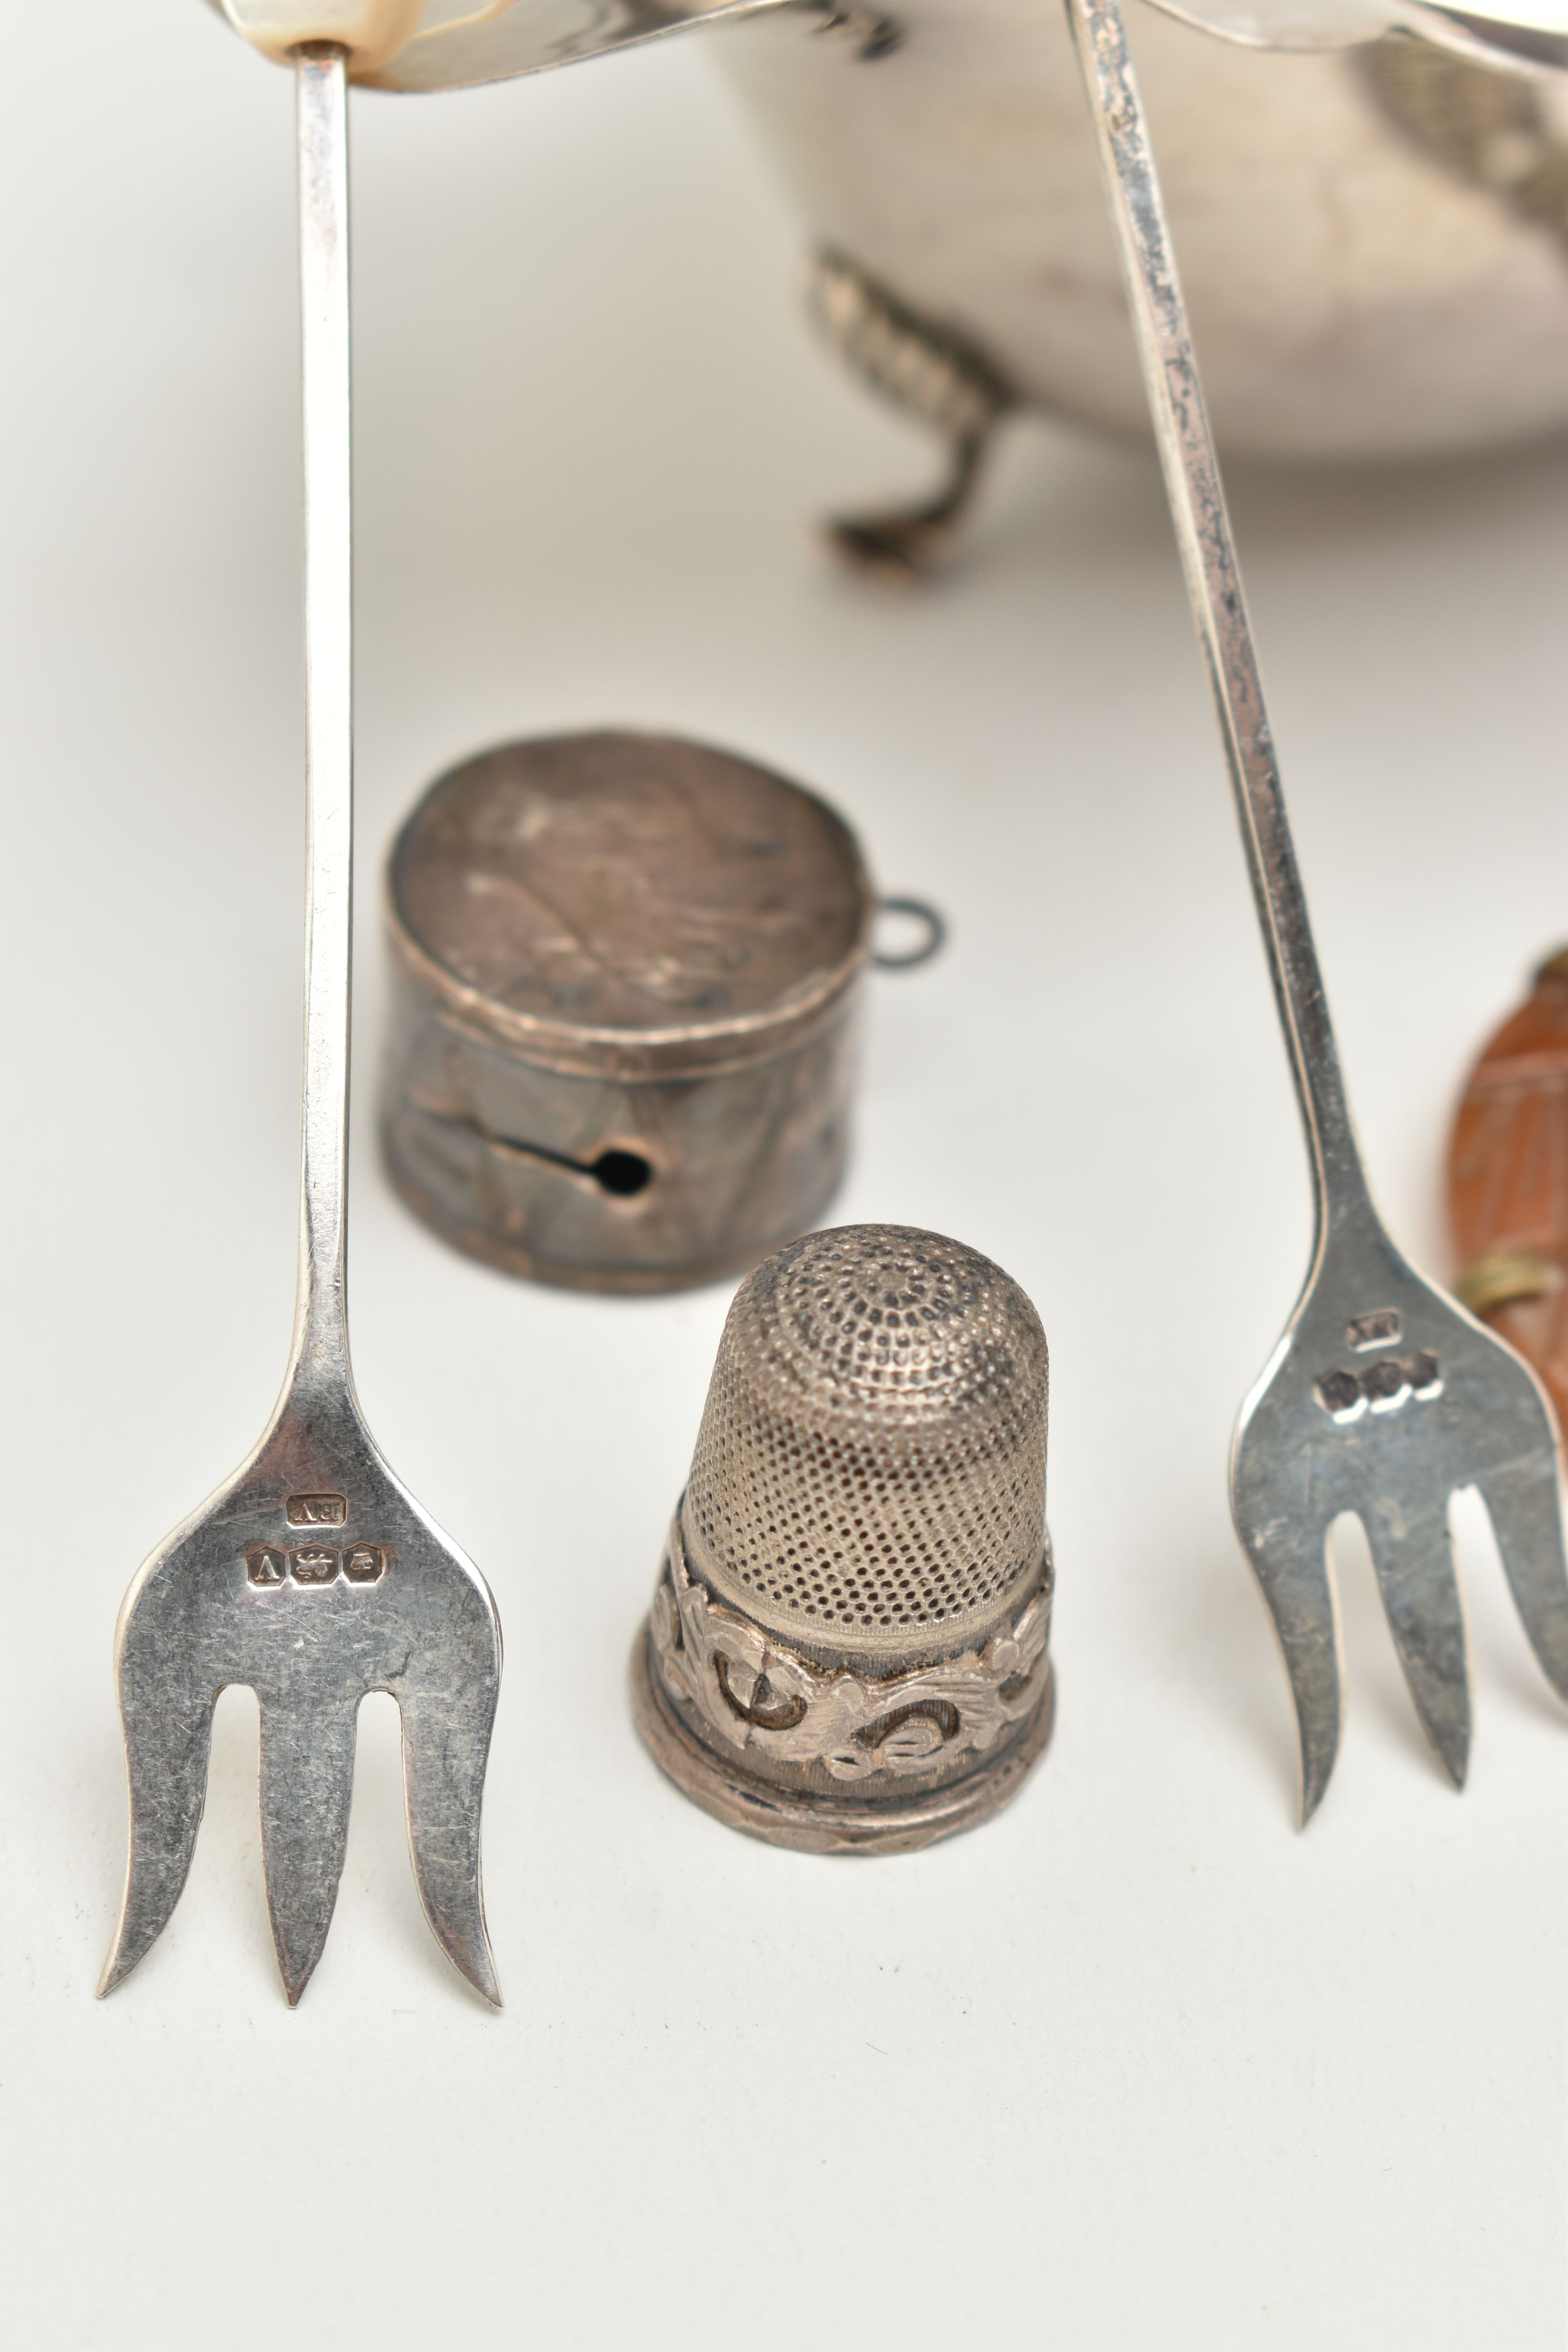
(313, 1575)
(1382, 1396)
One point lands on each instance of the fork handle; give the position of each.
(1196, 499)
(321, 1336)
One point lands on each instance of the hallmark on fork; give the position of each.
(1382, 1387)
(267, 1566)
(1374, 1330)
(317, 1510)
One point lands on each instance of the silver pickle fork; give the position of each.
(1382, 1396)
(313, 1575)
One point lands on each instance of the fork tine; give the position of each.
(167, 1744)
(1291, 1564)
(444, 1754)
(1413, 1557)
(1525, 1505)
(307, 1785)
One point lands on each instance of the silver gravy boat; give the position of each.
(1373, 229)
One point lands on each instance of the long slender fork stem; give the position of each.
(1214, 585)
(321, 1328)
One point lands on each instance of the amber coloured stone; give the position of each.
(1508, 1180)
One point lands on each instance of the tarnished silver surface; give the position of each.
(844, 1823)
(628, 978)
(533, 36)
(1382, 1396)
(313, 1575)
(455, 44)
(847, 1647)
(869, 1727)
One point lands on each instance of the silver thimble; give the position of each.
(847, 1648)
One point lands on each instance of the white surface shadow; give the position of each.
(378, 1902)
(1377, 1706)
(220, 1931)
(1507, 1672)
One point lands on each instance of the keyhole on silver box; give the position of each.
(622, 1173)
(615, 1171)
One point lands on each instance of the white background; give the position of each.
(1134, 2065)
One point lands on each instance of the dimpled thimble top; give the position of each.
(870, 1471)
